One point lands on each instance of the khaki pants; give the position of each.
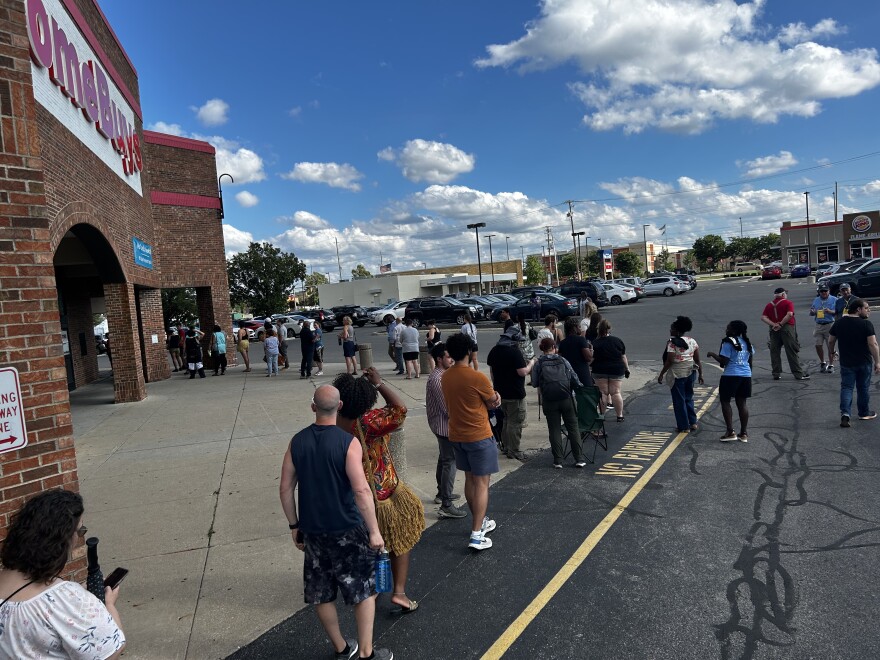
(514, 417)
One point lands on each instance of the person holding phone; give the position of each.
(73, 622)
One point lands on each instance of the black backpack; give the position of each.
(555, 381)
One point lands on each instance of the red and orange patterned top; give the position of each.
(377, 425)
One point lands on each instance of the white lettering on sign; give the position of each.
(13, 433)
(70, 82)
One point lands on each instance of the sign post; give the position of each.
(13, 434)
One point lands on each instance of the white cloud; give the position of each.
(334, 175)
(213, 113)
(236, 240)
(168, 129)
(308, 220)
(296, 111)
(767, 165)
(680, 65)
(247, 199)
(244, 165)
(432, 162)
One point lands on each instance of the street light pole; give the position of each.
(476, 227)
(220, 213)
(571, 219)
(578, 254)
(809, 257)
(491, 262)
(507, 241)
(645, 238)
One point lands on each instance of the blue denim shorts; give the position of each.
(479, 458)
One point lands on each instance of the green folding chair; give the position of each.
(590, 421)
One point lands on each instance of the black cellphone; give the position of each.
(115, 577)
(299, 536)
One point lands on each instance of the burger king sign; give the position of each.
(861, 224)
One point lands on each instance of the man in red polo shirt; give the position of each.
(779, 315)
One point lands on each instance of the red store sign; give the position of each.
(84, 83)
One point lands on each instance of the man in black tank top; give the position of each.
(335, 524)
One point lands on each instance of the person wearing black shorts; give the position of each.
(736, 382)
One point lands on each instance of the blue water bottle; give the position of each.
(383, 572)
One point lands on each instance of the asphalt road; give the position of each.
(670, 546)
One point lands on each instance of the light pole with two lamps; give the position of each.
(645, 237)
(476, 227)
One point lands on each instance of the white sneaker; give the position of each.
(481, 543)
(488, 525)
(320, 373)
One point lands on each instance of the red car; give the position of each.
(771, 273)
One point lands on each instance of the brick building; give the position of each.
(96, 215)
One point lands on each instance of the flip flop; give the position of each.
(413, 606)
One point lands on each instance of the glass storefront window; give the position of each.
(797, 256)
(861, 250)
(828, 253)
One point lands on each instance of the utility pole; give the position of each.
(338, 263)
(835, 201)
(809, 258)
(491, 261)
(507, 240)
(573, 246)
(549, 251)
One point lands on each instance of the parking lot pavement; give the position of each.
(671, 546)
(182, 489)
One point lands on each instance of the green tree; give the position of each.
(311, 287)
(689, 260)
(744, 249)
(593, 263)
(662, 261)
(179, 307)
(709, 250)
(567, 265)
(262, 278)
(628, 263)
(360, 272)
(534, 272)
(769, 246)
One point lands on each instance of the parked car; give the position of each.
(593, 288)
(690, 280)
(397, 310)
(864, 280)
(527, 290)
(442, 310)
(801, 270)
(664, 285)
(292, 323)
(101, 344)
(356, 313)
(634, 282)
(503, 297)
(685, 271)
(551, 303)
(325, 317)
(746, 266)
(620, 293)
(827, 269)
(771, 272)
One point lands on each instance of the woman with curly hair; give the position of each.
(399, 511)
(681, 361)
(41, 615)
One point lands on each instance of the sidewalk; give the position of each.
(182, 489)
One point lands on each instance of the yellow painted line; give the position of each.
(515, 629)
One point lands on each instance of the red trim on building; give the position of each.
(181, 199)
(80, 21)
(152, 137)
(812, 224)
(113, 32)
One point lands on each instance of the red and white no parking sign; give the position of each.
(13, 434)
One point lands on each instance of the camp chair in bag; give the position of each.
(590, 421)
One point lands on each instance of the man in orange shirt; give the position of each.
(469, 396)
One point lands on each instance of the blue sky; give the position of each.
(391, 126)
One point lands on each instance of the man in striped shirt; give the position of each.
(438, 421)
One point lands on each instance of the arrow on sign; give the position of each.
(8, 441)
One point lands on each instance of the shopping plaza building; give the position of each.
(97, 215)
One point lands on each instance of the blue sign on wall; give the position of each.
(143, 253)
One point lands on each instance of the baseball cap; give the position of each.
(823, 287)
(780, 290)
(844, 286)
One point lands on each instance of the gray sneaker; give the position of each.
(350, 652)
(453, 497)
(382, 654)
(451, 511)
